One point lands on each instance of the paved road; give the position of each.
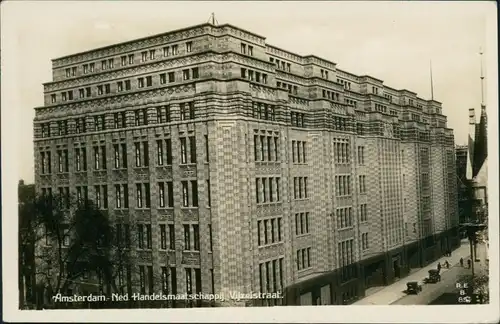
(394, 292)
(430, 292)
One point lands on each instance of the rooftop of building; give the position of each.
(304, 59)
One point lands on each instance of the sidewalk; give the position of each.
(389, 294)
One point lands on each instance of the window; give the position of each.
(192, 149)
(164, 280)
(163, 114)
(189, 280)
(171, 236)
(111, 63)
(140, 82)
(301, 223)
(166, 51)
(209, 196)
(361, 155)
(171, 77)
(194, 191)
(187, 238)
(195, 73)
(123, 60)
(99, 157)
(303, 258)
(152, 54)
(142, 279)
(250, 50)
(131, 59)
(144, 56)
(362, 184)
(183, 150)
(196, 237)
(175, 49)
(189, 46)
(363, 213)
(92, 67)
(243, 48)
(85, 68)
(185, 74)
(149, 81)
(163, 78)
(66, 236)
(100, 90)
(207, 158)
(185, 194)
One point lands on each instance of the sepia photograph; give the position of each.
(239, 161)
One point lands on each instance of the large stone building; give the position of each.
(246, 168)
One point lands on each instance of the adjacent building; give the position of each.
(242, 167)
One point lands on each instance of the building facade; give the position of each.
(241, 167)
(464, 188)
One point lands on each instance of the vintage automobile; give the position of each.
(413, 287)
(434, 276)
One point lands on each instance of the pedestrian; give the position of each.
(447, 264)
(439, 266)
(469, 262)
(462, 262)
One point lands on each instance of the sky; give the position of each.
(392, 41)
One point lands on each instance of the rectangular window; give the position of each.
(166, 51)
(171, 236)
(192, 147)
(195, 73)
(149, 239)
(163, 78)
(189, 281)
(163, 237)
(196, 237)
(168, 148)
(194, 189)
(171, 77)
(140, 236)
(159, 152)
(142, 279)
(185, 194)
(187, 238)
(183, 151)
(189, 47)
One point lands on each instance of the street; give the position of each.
(447, 285)
(433, 291)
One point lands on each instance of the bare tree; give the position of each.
(78, 239)
(77, 243)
